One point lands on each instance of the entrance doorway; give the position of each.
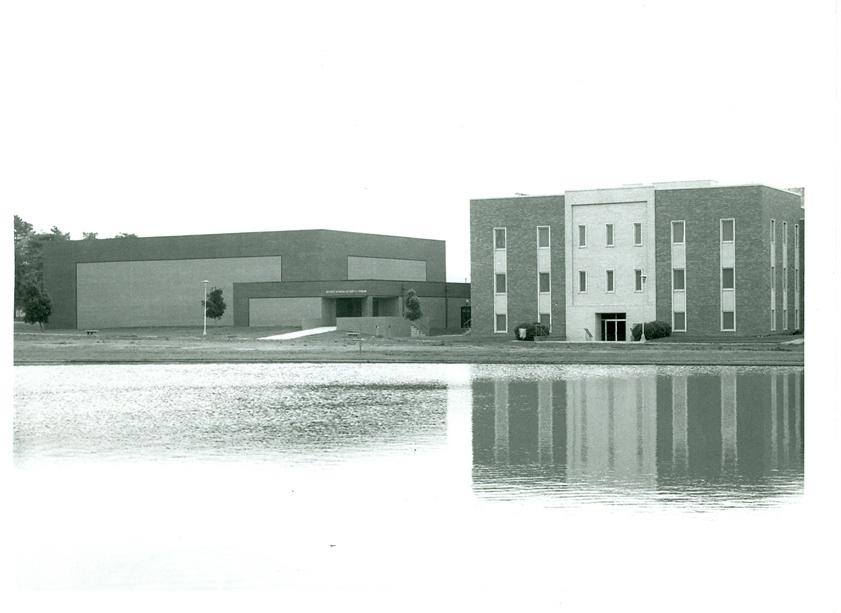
(349, 307)
(465, 317)
(612, 326)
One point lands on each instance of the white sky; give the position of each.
(179, 117)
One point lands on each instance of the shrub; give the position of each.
(653, 329)
(413, 306)
(532, 330)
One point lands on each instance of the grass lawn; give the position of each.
(228, 344)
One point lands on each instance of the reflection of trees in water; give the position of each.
(731, 431)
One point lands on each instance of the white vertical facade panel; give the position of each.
(679, 254)
(728, 300)
(728, 255)
(500, 267)
(679, 262)
(544, 264)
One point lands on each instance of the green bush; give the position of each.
(532, 330)
(653, 329)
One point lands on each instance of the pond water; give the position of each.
(299, 476)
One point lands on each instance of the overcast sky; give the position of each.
(180, 117)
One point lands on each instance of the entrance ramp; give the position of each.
(298, 334)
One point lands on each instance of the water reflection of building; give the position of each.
(644, 431)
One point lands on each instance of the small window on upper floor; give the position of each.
(728, 230)
(542, 236)
(773, 231)
(637, 280)
(500, 283)
(678, 228)
(582, 281)
(582, 236)
(499, 238)
(609, 287)
(608, 235)
(679, 279)
(544, 283)
(637, 234)
(728, 278)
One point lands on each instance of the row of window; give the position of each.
(726, 230)
(544, 283)
(609, 235)
(610, 286)
(501, 239)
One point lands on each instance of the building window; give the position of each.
(499, 238)
(608, 235)
(609, 281)
(500, 283)
(582, 236)
(728, 230)
(785, 319)
(728, 321)
(679, 279)
(678, 228)
(542, 236)
(728, 278)
(773, 278)
(796, 283)
(501, 323)
(785, 234)
(545, 319)
(773, 320)
(582, 280)
(637, 280)
(773, 231)
(544, 283)
(637, 234)
(679, 322)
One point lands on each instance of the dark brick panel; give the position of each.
(520, 216)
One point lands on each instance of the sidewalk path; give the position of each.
(290, 335)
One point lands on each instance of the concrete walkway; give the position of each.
(290, 335)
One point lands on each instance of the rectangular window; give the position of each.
(728, 278)
(785, 319)
(582, 236)
(637, 280)
(773, 231)
(796, 245)
(608, 235)
(728, 230)
(797, 283)
(773, 319)
(542, 236)
(679, 279)
(637, 234)
(545, 320)
(609, 281)
(680, 322)
(582, 280)
(544, 283)
(500, 283)
(785, 233)
(773, 278)
(501, 323)
(678, 228)
(728, 320)
(499, 238)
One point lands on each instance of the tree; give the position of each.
(413, 307)
(89, 236)
(36, 305)
(126, 235)
(215, 305)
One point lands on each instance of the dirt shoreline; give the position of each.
(168, 346)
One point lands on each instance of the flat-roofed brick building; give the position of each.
(711, 260)
(302, 278)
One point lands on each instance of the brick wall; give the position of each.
(751, 207)
(520, 216)
(320, 255)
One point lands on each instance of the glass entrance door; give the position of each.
(613, 326)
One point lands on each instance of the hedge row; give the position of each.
(653, 329)
(531, 330)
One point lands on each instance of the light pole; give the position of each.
(204, 310)
(642, 336)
